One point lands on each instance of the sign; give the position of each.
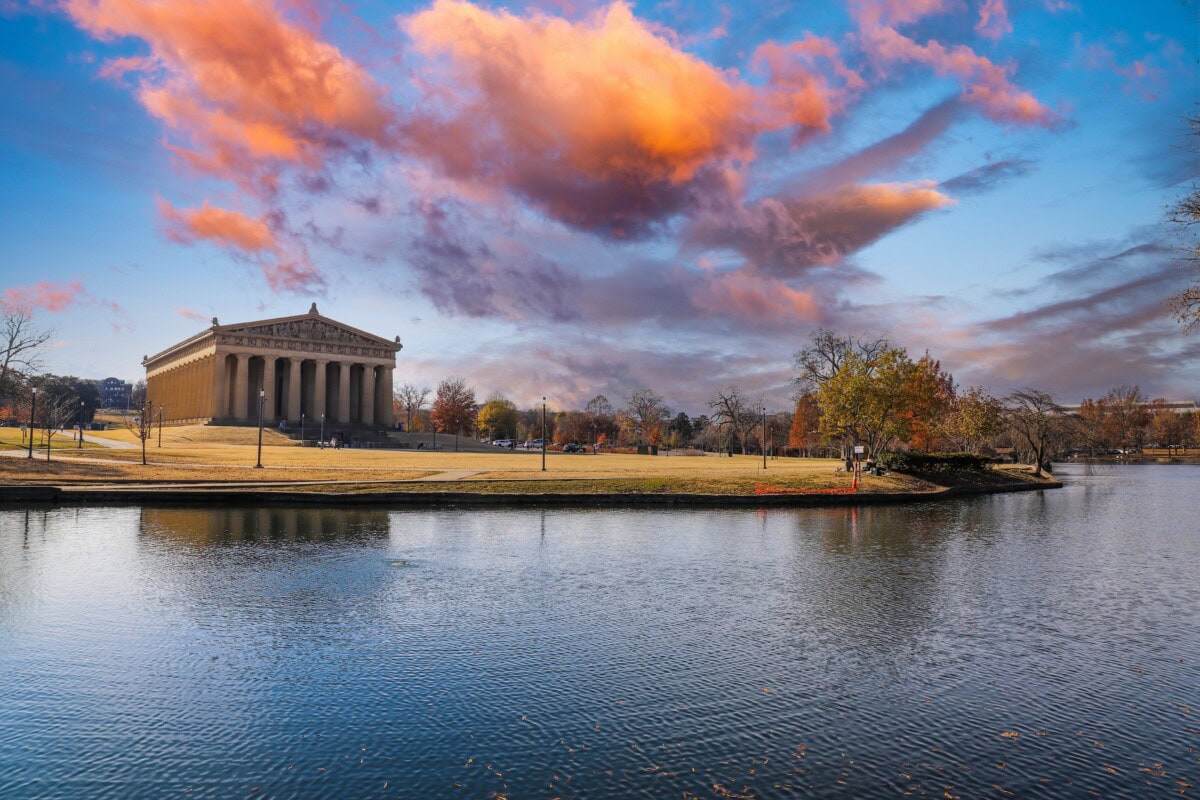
(858, 448)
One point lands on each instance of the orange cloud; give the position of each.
(52, 297)
(244, 86)
(985, 83)
(220, 225)
(601, 122)
(248, 238)
(993, 19)
(746, 294)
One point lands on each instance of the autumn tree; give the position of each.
(600, 416)
(453, 406)
(498, 418)
(646, 415)
(1185, 216)
(1037, 424)
(1126, 416)
(975, 417)
(21, 346)
(868, 399)
(929, 397)
(1168, 428)
(804, 433)
(409, 400)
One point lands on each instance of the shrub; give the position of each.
(915, 462)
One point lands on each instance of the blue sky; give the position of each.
(574, 198)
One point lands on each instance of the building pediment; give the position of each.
(306, 330)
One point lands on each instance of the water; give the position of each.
(150, 653)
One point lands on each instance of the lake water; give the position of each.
(1043, 644)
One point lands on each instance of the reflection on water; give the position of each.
(836, 652)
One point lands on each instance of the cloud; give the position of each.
(189, 314)
(988, 176)
(45, 295)
(286, 267)
(248, 90)
(984, 83)
(993, 20)
(786, 236)
(604, 124)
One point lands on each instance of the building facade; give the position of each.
(307, 364)
(114, 393)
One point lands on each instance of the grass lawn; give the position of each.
(10, 439)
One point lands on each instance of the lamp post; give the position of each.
(764, 416)
(543, 434)
(322, 427)
(32, 407)
(262, 398)
(160, 417)
(80, 426)
(301, 428)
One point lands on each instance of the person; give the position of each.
(871, 464)
(849, 464)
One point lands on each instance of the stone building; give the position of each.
(307, 364)
(115, 393)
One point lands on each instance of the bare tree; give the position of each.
(141, 425)
(412, 400)
(1185, 215)
(55, 412)
(1036, 423)
(825, 353)
(648, 414)
(600, 414)
(21, 345)
(730, 407)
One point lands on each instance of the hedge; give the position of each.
(911, 461)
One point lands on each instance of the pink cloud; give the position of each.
(984, 83)
(45, 295)
(187, 313)
(993, 20)
(744, 293)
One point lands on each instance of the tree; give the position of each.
(57, 407)
(826, 352)
(1126, 416)
(730, 407)
(1037, 424)
(21, 345)
(974, 418)
(804, 434)
(929, 396)
(869, 399)
(600, 416)
(1185, 216)
(454, 406)
(680, 429)
(141, 425)
(1166, 427)
(411, 400)
(646, 415)
(498, 418)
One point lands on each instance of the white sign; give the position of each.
(858, 448)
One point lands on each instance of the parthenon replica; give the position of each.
(307, 364)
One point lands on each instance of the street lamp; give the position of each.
(543, 434)
(301, 428)
(160, 416)
(764, 442)
(262, 399)
(80, 427)
(32, 407)
(322, 426)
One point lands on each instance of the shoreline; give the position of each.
(82, 495)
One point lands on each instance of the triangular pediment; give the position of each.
(311, 328)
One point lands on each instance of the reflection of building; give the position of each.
(114, 393)
(205, 526)
(307, 364)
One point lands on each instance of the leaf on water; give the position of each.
(1011, 735)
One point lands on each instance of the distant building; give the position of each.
(115, 393)
(1174, 406)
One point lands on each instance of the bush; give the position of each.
(915, 462)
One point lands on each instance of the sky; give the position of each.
(567, 198)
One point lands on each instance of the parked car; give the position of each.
(573, 447)
(502, 442)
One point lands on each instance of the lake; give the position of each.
(1042, 644)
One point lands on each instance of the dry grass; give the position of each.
(10, 439)
(72, 472)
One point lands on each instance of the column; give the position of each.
(318, 407)
(387, 414)
(241, 387)
(268, 386)
(343, 414)
(367, 392)
(293, 409)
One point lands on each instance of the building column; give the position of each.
(293, 405)
(343, 414)
(268, 386)
(241, 387)
(318, 408)
(367, 393)
(387, 415)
